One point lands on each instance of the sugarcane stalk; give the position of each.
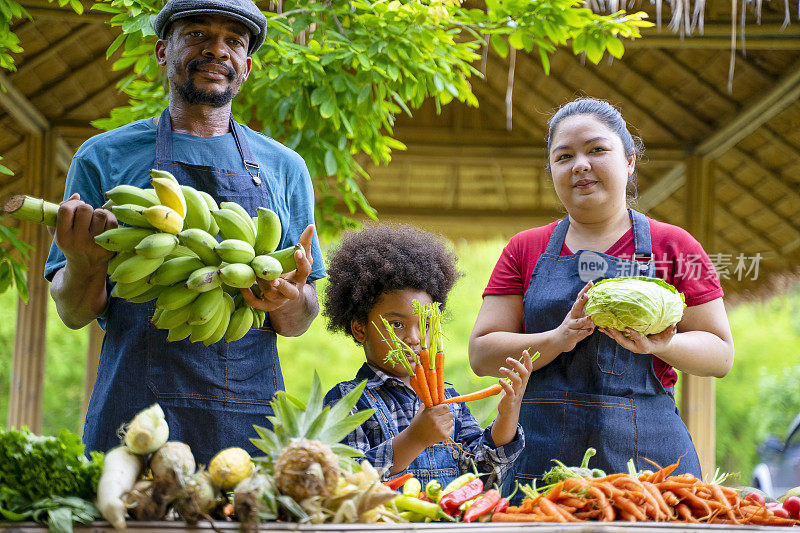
(32, 209)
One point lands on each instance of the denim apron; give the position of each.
(599, 394)
(211, 395)
(439, 461)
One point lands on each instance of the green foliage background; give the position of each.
(759, 396)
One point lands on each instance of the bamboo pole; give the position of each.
(27, 374)
(698, 402)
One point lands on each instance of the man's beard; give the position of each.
(191, 94)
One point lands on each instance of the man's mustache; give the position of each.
(195, 65)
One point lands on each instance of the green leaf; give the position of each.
(330, 163)
(579, 43)
(116, 44)
(20, 282)
(515, 40)
(545, 61)
(328, 108)
(499, 45)
(347, 402)
(339, 430)
(615, 47)
(318, 95)
(594, 50)
(59, 520)
(12, 516)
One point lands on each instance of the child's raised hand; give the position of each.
(517, 373)
(431, 425)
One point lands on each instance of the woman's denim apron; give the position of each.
(439, 461)
(211, 395)
(599, 394)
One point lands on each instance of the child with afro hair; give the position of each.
(377, 273)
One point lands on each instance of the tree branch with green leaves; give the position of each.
(332, 77)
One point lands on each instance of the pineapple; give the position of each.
(307, 468)
(302, 448)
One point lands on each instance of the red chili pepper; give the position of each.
(452, 500)
(423, 496)
(502, 505)
(487, 502)
(398, 482)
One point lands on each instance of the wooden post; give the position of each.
(698, 405)
(27, 374)
(96, 335)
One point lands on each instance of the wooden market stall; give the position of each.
(723, 164)
(433, 527)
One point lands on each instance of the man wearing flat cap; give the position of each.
(211, 395)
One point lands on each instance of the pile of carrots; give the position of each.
(655, 497)
(427, 373)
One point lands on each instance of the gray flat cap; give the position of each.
(244, 11)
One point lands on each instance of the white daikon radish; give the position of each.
(121, 469)
(148, 431)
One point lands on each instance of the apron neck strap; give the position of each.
(556, 241)
(643, 247)
(164, 144)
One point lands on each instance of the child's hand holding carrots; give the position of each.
(431, 425)
(504, 427)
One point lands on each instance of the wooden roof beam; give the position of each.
(772, 252)
(762, 203)
(53, 49)
(687, 115)
(723, 29)
(785, 92)
(72, 75)
(20, 108)
(630, 102)
(31, 119)
(718, 36)
(485, 92)
(714, 43)
(94, 94)
(767, 175)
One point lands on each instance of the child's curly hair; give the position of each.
(381, 259)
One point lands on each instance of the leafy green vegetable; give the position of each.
(647, 305)
(37, 467)
(560, 472)
(47, 479)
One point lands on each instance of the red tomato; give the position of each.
(781, 512)
(755, 498)
(792, 506)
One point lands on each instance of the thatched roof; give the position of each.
(466, 175)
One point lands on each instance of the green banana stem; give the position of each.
(31, 209)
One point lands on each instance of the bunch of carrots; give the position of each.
(655, 497)
(427, 373)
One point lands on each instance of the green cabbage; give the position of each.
(647, 305)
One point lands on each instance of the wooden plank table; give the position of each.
(437, 527)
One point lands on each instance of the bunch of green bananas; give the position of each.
(168, 251)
